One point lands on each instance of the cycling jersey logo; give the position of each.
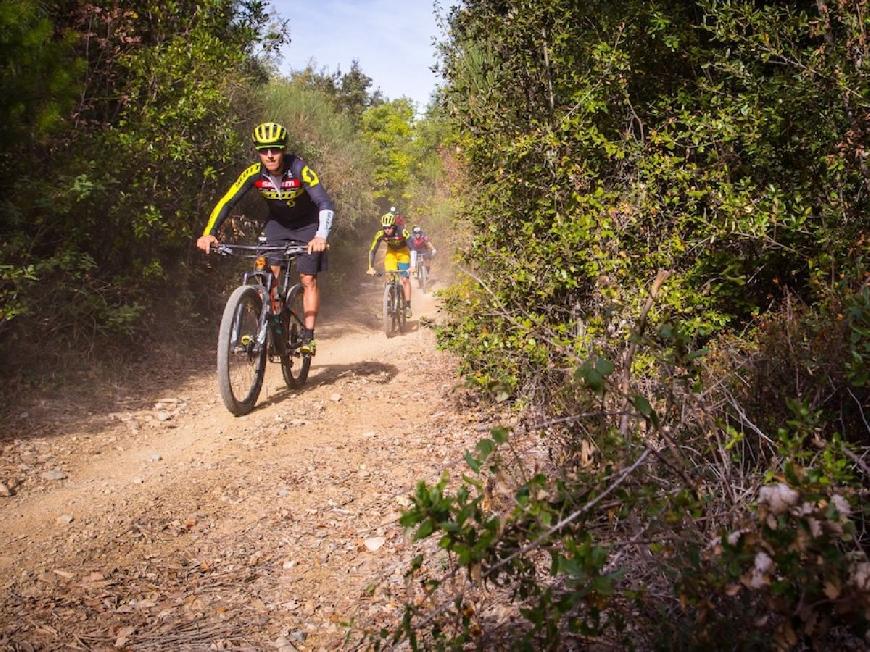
(309, 176)
(281, 195)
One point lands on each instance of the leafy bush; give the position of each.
(137, 118)
(666, 539)
(666, 275)
(612, 142)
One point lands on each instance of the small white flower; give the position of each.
(861, 575)
(841, 505)
(778, 497)
(758, 575)
(763, 563)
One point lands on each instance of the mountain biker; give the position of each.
(400, 219)
(397, 258)
(421, 248)
(299, 210)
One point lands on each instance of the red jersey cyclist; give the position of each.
(397, 258)
(421, 248)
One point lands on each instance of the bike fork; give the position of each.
(263, 331)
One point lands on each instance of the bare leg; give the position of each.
(406, 288)
(310, 299)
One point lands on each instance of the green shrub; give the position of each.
(666, 273)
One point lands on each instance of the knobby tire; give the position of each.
(241, 366)
(389, 309)
(294, 366)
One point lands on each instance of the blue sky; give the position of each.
(392, 39)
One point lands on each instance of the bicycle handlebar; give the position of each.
(252, 251)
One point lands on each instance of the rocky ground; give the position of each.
(148, 518)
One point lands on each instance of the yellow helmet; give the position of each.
(269, 134)
(388, 219)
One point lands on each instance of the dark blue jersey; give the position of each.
(294, 202)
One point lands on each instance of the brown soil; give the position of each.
(144, 516)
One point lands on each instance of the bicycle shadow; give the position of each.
(324, 375)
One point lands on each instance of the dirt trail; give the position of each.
(173, 525)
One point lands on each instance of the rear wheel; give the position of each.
(294, 365)
(241, 360)
(389, 310)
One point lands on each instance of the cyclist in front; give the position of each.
(400, 219)
(397, 258)
(300, 210)
(421, 248)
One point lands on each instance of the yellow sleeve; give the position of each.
(231, 197)
(375, 242)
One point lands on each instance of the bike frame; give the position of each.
(265, 279)
(395, 310)
(247, 340)
(395, 278)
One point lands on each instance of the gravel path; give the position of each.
(154, 520)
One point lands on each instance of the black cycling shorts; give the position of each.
(278, 234)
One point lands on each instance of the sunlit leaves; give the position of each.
(388, 128)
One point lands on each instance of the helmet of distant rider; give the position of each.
(417, 230)
(388, 219)
(269, 134)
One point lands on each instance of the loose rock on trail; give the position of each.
(155, 520)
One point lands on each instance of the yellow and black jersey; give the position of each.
(295, 198)
(396, 242)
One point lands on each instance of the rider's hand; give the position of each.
(434, 251)
(317, 245)
(205, 242)
(370, 271)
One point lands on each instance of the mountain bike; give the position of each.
(252, 332)
(394, 303)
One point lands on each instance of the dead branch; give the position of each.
(574, 515)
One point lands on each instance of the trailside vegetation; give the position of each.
(666, 274)
(118, 121)
(121, 125)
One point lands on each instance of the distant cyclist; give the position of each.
(421, 248)
(397, 258)
(299, 210)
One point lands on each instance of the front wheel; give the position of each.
(389, 310)
(241, 359)
(401, 318)
(422, 275)
(294, 365)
